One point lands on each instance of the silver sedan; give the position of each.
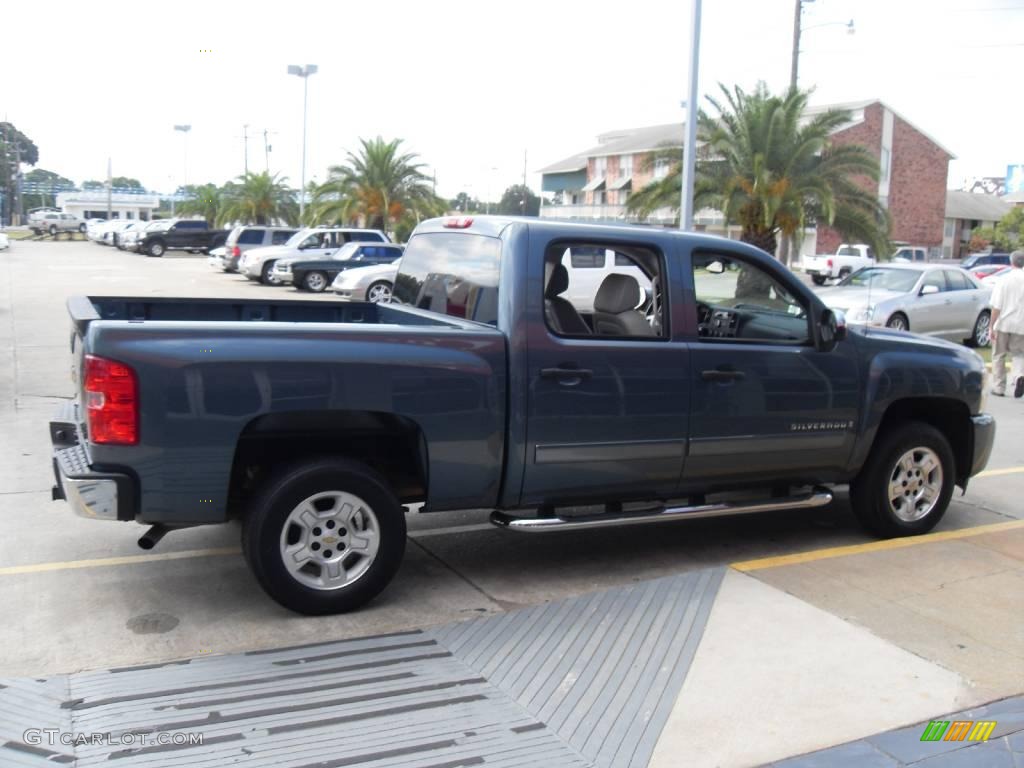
(371, 284)
(931, 299)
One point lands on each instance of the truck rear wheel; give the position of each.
(905, 486)
(818, 279)
(324, 536)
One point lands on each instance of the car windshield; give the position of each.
(883, 279)
(346, 251)
(847, 250)
(157, 226)
(298, 237)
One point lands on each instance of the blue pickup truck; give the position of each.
(566, 376)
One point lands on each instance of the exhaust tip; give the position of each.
(152, 537)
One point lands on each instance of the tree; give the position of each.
(93, 184)
(512, 202)
(378, 187)
(16, 149)
(41, 188)
(258, 198)
(206, 200)
(772, 172)
(124, 182)
(463, 203)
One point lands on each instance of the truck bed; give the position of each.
(84, 309)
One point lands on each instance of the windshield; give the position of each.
(902, 280)
(345, 252)
(454, 274)
(298, 237)
(157, 226)
(847, 250)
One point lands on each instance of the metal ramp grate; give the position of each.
(578, 682)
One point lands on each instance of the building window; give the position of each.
(599, 197)
(661, 167)
(950, 227)
(625, 166)
(623, 196)
(885, 165)
(600, 167)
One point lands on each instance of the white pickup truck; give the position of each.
(847, 258)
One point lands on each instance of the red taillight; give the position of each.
(236, 252)
(830, 263)
(111, 402)
(459, 222)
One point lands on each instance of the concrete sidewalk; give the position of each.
(772, 660)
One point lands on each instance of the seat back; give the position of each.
(560, 314)
(615, 312)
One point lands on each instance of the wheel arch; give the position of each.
(950, 416)
(390, 444)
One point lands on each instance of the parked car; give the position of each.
(991, 278)
(934, 300)
(258, 264)
(130, 232)
(114, 228)
(480, 386)
(181, 234)
(373, 284)
(912, 253)
(245, 238)
(51, 223)
(980, 259)
(94, 229)
(316, 274)
(846, 260)
(983, 271)
(129, 240)
(5, 242)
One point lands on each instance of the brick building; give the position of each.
(912, 183)
(594, 184)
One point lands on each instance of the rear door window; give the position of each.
(281, 237)
(251, 237)
(957, 281)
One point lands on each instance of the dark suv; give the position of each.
(981, 259)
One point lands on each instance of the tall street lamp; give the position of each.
(304, 73)
(184, 183)
(690, 140)
(797, 12)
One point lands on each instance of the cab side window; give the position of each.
(738, 300)
(596, 290)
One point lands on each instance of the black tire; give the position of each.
(53, 231)
(315, 281)
(283, 492)
(980, 332)
(818, 279)
(869, 492)
(898, 321)
(265, 273)
(81, 228)
(844, 273)
(156, 249)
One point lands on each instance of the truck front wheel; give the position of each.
(156, 248)
(324, 536)
(906, 484)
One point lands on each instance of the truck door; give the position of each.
(607, 380)
(765, 401)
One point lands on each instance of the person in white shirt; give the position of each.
(1007, 334)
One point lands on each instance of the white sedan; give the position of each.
(931, 299)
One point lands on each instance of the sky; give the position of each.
(477, 89)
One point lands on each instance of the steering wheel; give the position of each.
(704, 313)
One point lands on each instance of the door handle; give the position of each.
(566, 375)
(718, 374)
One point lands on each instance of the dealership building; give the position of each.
(92, 204)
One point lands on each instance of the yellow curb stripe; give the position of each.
(104, 562)
(998, 472)
(874, 546)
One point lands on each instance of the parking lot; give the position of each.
(79, 594)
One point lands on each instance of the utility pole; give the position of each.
(795, 62)
(17, 181)
(690, 144)
(525, 190)
(245, 142)
(266, 150)
(304, 73)
(110, 182)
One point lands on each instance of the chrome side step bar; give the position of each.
(818, 498)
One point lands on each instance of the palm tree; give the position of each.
(379, 187)
(206, 200)
(259, 198)
(773, 172)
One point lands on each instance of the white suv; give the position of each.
(314, 243)
(51, 222)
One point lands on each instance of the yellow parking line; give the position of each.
(103, 562)
(998, 472)
(874, 546)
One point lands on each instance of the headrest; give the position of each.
(617, 294)
(557, 282)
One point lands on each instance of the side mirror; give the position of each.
(715, 268)
(928, 290)
(831, 330)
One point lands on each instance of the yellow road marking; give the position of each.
(873, 546)
(103, 562)
(997, 472)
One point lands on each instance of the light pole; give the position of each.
(304, 73)
(690, 145)
(183, 129)
(794, 68)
